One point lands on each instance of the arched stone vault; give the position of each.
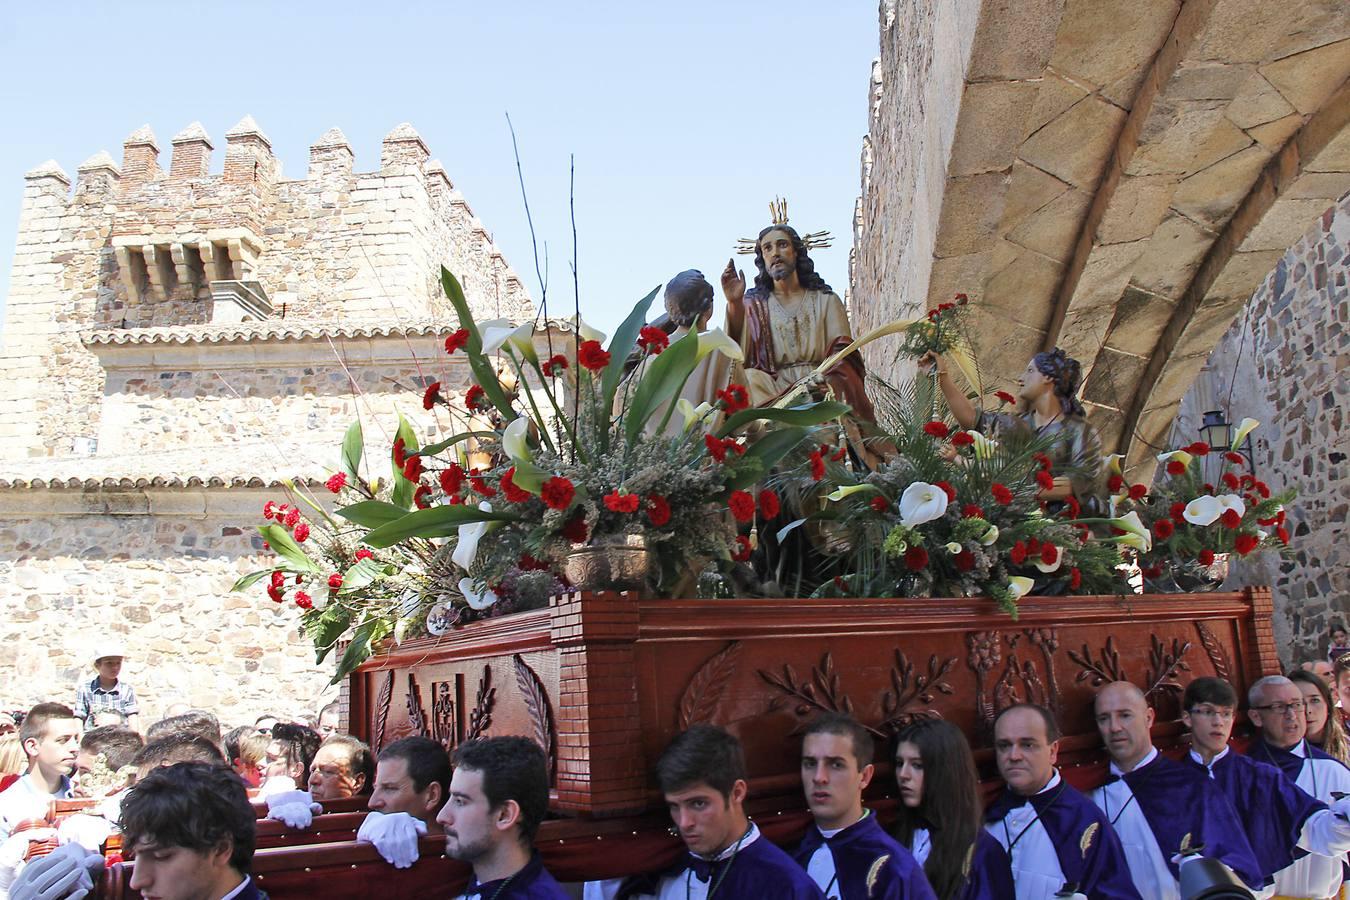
(1118, 178)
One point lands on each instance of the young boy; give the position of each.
(107, 691)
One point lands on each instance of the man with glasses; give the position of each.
(1275, 706)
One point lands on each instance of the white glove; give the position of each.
(88, 831)
(275, 785)
(1341, 808)
(295, 808)
(67, 873)
(110, 808)
(15, 848)
(394, 835)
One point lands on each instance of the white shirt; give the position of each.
(681, 886)
(26, 799)
(238, 889)
(821, 865)
(1148, 867)
(1035, 865)
(1315, 875)
(921, 845)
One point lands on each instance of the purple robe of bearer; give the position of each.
(1161, 807)
(1057, 837)
(531, 883)
(751, 868)
(867, 863)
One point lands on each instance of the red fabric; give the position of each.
(7, 780)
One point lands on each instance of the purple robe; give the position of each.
(530, 883)
(869, 864)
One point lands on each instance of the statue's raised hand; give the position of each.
(733, 283)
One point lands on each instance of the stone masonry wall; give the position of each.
(1286, 363)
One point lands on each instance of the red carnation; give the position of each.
(734, 398)
(1072, 508)
(1177, 512)
(278, 579)
(400, 452)
(431, 395)
(769, 506)
(1005, 397)
(276, 593)
(743, 549)
(1150, 571)
(1018, 553)
(337, 482)
(1033, 547)
(742, 505)
(1045, 480)
(556, 365)
(363, 553)
(557, 492)
(422, 496)
(658, 510)
(452, 479)
(412, 469)
(1205, 557)
(269, 509)
(1175, 467)
(1163, 528)
(292, 516)
(301, 532)
(840, 454)
(457, 340)
(1235, 458)
(1049, 553)
(1075, 579)
(1245, 543)
(1043, 461)
(591, 355)
(653, 339)
(1230, 518)
(1138, 491)
(733, 444)
(302, 600)
(817, 465)
(621, 503)
(971, 511)
(513, 493)
(1001, 494)
(299, 579)
(1263, 489)
(936, 429)
(964, 561)
(916, 558)
(1115, 483)
(475, 399)
(1199, 448)
(1283, 534)
(948, 490)
(716, 448)
(962, 439)
(880, 504)
(962, 299)
(528, 563)
(1230, 481)
(575, 529)
(335, 581)
(478, 484)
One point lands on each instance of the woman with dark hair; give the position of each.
(1319, 710)
(1048, 391)
(940, 817)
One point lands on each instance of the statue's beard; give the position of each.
(780, 271)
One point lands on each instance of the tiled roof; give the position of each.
(272, 330)
(249, 464)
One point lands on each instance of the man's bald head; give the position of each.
(1120, 692)
(1124, 720)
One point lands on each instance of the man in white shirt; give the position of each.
(1161, 809)
(51, 739)
(1054, 836)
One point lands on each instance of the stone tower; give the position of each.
(178, 343)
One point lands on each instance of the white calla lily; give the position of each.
(475, 598)
(466, 548)
(922, 502)
(1048, 567)
(1020, 586)
(840, 493)
(984, 446)
(719, 340)
(1113, 463)
(1245, 427)
(1136, 533)
(584, 331)
(692, 414)
(1233, 502)
(496, 336)
(1203, 510)
(1180, 456)
(953, 547)
(990, 537)
(516, 439)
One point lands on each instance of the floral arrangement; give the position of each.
(590, 472)
(1193, 522)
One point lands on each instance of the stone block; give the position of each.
(1194, 80)
(1114, 378)
(990, 126)
(1013, 40)
(1213, 194)
(1257, 102)
(1075, 146)
(1283, 224)
(957, 274)
(1088, 50)
(1139, 320)
(1172, 255)
(1136, 207)
(1030, 190)
(1329, 186)
(1183, 136)
(971, 208)
(1333, 156)
(1242, 274)
(1053, 229)
(1053, 97)
(1025, 289)
(1307, 79)
(1272, 136)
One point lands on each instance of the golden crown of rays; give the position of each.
(778, 215)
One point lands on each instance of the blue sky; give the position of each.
(685, 121)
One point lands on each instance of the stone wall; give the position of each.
(1286, 363)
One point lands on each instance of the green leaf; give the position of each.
(332, 622)
(808, 414)
(352, 446)
(439, 446)
(484, 375)
(621, 345)
(660, 382)
(358, 651)
(403, 488)
(250, 580)
(360, 575)
(281, 542)
(767, 451)
(436, 521)
(372, 513)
